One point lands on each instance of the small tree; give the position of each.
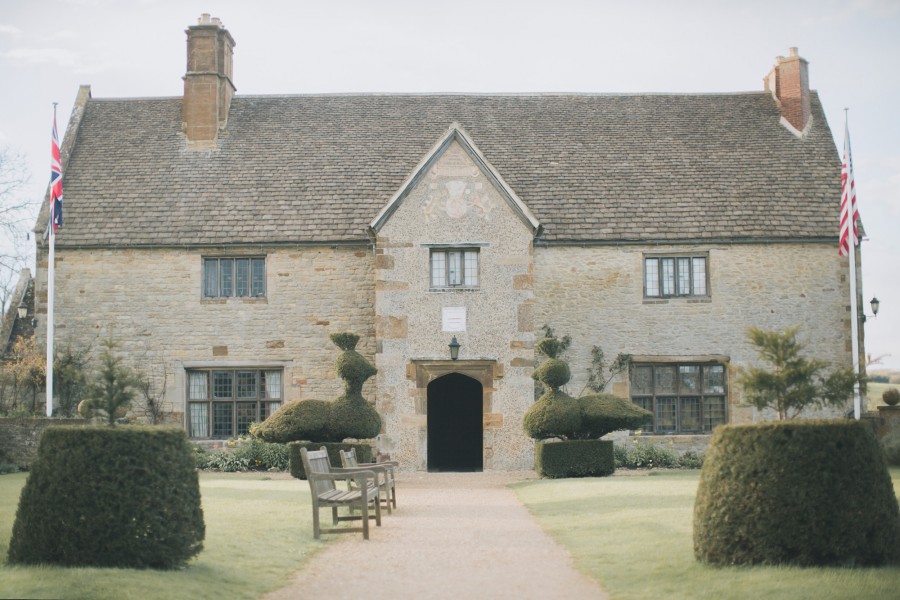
(24, 373)
(600, 374)
(794, 382)
(113, 388)
(151, 388)
(69, 379)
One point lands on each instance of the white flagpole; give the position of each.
(854, 309)
(51, 268)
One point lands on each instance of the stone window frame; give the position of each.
(677, 399)
(256, 280)
(463, 248)
(202, 401)
(694, 290)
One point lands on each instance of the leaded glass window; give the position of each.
(684, 398)
(666, 277)
(222, 403)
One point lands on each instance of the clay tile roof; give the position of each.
(592, 168)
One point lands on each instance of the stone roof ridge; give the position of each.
(482, 95)
(455, 133)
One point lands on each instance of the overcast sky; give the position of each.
(137, 48)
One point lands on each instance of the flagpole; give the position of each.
(51, 268)
(854, 308)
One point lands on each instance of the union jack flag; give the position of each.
(849, 208)
(56, 190)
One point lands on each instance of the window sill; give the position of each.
(684, 299)
(454, 289)
(239, 300)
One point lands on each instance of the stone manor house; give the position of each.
(222, 238)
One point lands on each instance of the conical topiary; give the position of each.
(555, 413)
(350, 415)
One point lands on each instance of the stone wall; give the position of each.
(595, 294)
(150, 301)
(19, 438)
(454, 204)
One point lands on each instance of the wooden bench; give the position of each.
(324, 492)
(384, 472)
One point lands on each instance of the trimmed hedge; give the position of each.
(796, 492)
(110, 497)
(364, 453)
(574, 458)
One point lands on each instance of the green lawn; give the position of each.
(633, 534)
(258, 532)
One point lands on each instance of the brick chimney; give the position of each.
(208, 85)
(788, 81)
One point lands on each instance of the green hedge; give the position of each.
(110, 497)
(364, 453)
(574, 458)
(796, 492)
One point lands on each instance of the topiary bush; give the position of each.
(365, 453)
(296, 420)
(555, 413)
(574, 458)
(605, 413)
(350, 415)
(796, 492)
(110, 497)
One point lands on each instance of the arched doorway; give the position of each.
(455, 424)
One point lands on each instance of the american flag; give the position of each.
(848, 201)
(56, 191)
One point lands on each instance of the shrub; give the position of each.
(690, 460)
(364, 454)
(575, 458)
(891, 396)
(297, 420)
(110, 497)
(247, 455)
(803, 493)
(605, 413)
(650, 456)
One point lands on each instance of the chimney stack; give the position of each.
(788, 81)
(208, 85)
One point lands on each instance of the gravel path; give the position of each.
(453, 535)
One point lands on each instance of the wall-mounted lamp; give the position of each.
(454, 349)
(23, 311)
(875, 304)
(33, 323)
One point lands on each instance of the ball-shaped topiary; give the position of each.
(110, 497)
(553, 373)
(350, 415)
(295, 421)
(796, 492)
(891, 396)
(605, 413)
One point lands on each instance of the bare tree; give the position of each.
(15, 217)
(151, 386)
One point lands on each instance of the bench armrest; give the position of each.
(358, 475)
